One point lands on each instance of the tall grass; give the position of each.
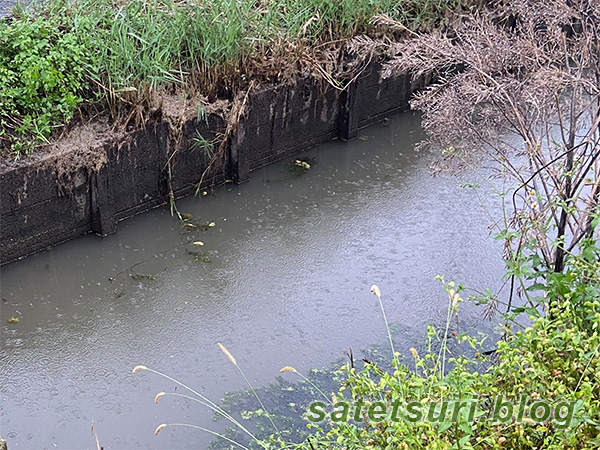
(203, 400)
(213, 47)
(148, 42)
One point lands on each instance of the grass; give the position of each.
(114, 53)
(218, 410)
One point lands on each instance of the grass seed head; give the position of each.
(138, 368)
(375, 290)
(229, 355)
(454, 297)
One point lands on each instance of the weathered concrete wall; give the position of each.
(35, 215)
(283, 121)
(40, 207)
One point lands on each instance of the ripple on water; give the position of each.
(289, 286)
(346, 315)
(13, 342)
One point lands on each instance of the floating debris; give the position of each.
(300, 166)
(202, 257)
(198, 243)
(141, 276)
(198, 254)
(190, 226)
(14, 320)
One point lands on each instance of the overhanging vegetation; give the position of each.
(93, 57)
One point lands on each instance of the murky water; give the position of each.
(7, 5)
(292, 263)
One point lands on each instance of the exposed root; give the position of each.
(237, 111)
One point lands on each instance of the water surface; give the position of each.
(292, 263)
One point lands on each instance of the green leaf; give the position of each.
(444, 426)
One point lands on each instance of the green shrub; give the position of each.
(42, 79)
(555, 359)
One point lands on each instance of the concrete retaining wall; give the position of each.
(40, 207)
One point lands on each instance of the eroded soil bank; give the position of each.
(94, 177)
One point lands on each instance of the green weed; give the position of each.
(55, 56)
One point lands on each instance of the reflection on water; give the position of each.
(292, 260)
